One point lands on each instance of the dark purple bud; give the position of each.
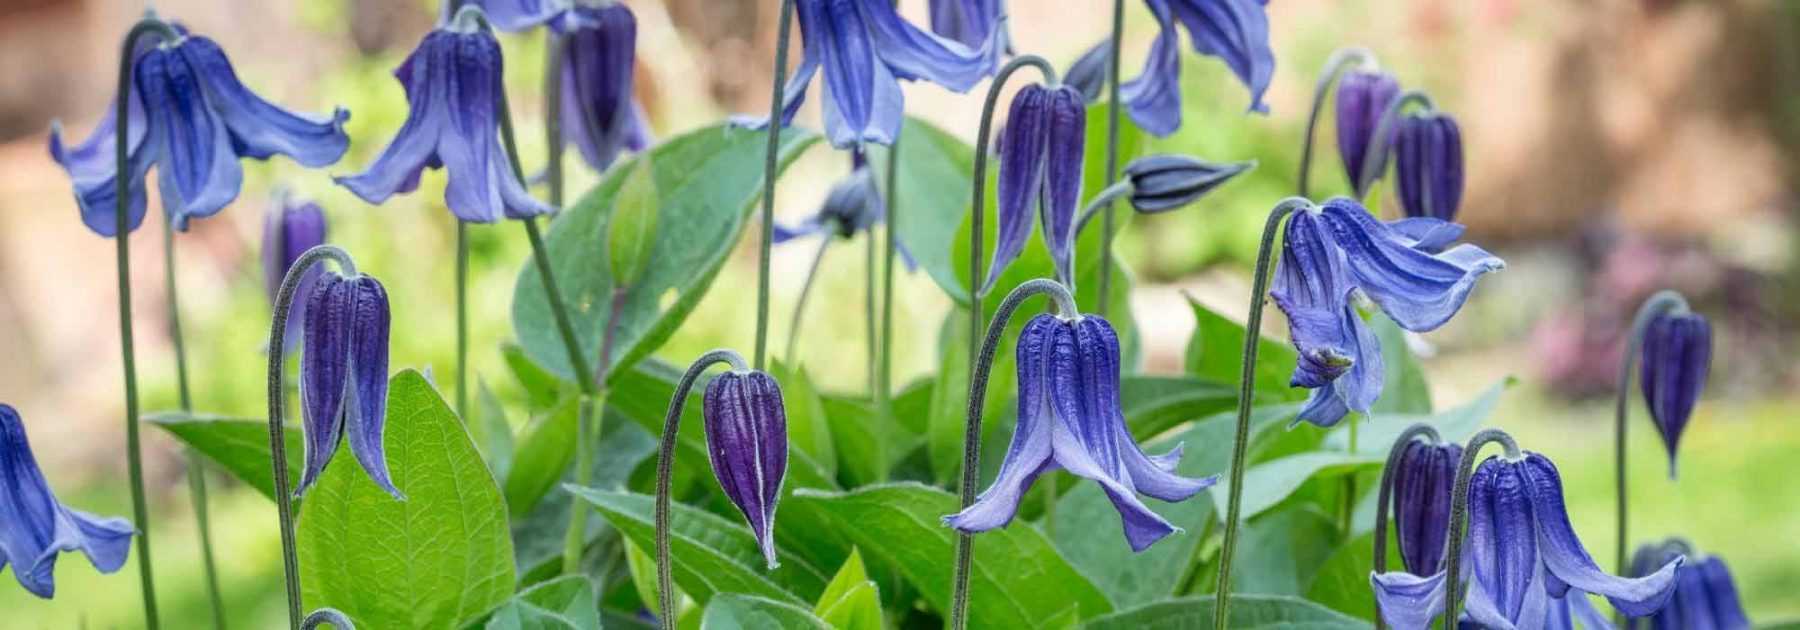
(1423, 482)
(1362, 96)
(746, 436)
(1165, 182)
(1067, 144)
(599, 115)
(289, 229)
(343, 376)
(1706, 597)
(1088, 73)
(35, 527)
(1677, 356)
(1022, 157)
(1428, 164)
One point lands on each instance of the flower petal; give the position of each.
(1429, 164)
(1237, 32)
(1029, 453)
(1422, 491)
(1154, 98)
(1021, 183)
(425, 75)
(599, 116)
(1568, 560)
(324, 373)
(1502, 544)
(1677, 356)
(1407, 601)
(366, 411)
(746, 436)
(1312, 288)
(35, 528)
(915, 54)
(1428, 234)
(197, 166)
(1066, 137)
(1362, 97)
(258, 128)
(1418, 290)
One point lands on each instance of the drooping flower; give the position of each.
(1706, 598)
(452, 83)
(290, 227)
(865, 49)
(1528, 568)
(746, 437)
(1070, 417)
(599, 52)
(1338, 249)
(1428, 165)
(971, 23)
(35, 527)
(1088, 73)
(1424, 481)
(343, 376)
(193, 120)
(1166, 181)
(1362, 97)
(1235, 31)
(1041, 155)
(1677, 356)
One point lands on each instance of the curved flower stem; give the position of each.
(323, 616)
(1340, 60)
(771, 162)
(812, 273)
(284, 502)
(1665, 301)
(1459, 515)
(1385, 493)
(1112, 154)
(1246, 393)
(1375, 156)
(665, 467)
(196, 470)
(971, 464)
(140, 510)
(1103, 200)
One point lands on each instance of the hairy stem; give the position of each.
(771, 161)
(665, 468)
(1662, 302)
(1459, 516)
(1112, 154)
(1340, 60)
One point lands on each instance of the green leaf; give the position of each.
(543, 456)
(1017, 580)
(1282, 550)
(1088, 532)
(1248, 612)
(808, 427)
(565, 603)
(1403, 387)
(933, 191)
(240, 447)
(542, 389)
(1269, 483)
(865, 441)
(643, 577)
(631, 228)
(491, 430)
(851, 601)
(747, 612)
(1376, 436)
(1216, 350)
(1154, 404)
(538, 537)
(710, 555)
(1342, 584)
(435, 560)
(707, 180)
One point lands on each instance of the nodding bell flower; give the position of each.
(1362, 97)
(1424, 482)
(1041, 151)
(192, 118)
(1337, 249)
(1164, 182)
(1677, 356)
(1069, 417)
(343, 376)
(1529, 569)
(452, 83)
(1234, 31)
(1705, 598)
(866, 49)
(746, 437)
(1428, 164)
(35, 527)
(971, 23)
(290, 228)
(599, 52)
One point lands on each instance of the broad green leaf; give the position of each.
(1216, 352)
(851, 601)
(865, 441)
(734, 611)
(949, 417)
(491, 430)
(1282, 550)
(910, 405)
(1269, 483)
(707, 180)
(565, 603)
(631, 226)
(240, 447)
(538, 537)
(1376, 436)
(932, 195)
(542, 389)
(1248, 612)
(643, 577)
(1342, 584)
(710, 555)
(808, 428)
(543, 456)
(434, 560)
(1403, 387)
(1017, 581)
(1154, 404)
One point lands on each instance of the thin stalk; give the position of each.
(1459, 516)
(462, 320)
(1246, 392)
(553, 140)
(884, 381)
(140, 509)
(1112, 154)
(971, 465)
(812, 273)
(1661, 303)
(284, 300)
(1340, 60)
(665, 467)
(196, 471)
(771, 161)
(1101, 200)
(869, 314)
(1347, 512)
(1384, 494)
(1375, 157)
(587, 434)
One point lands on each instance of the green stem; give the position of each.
(1459, 516)
(1107, 225)
(1662, 302)
(665, 467)
(771, 162)
(591, 410)
(462, 320)
(1340, 60)
(869, 314)
(1347, 512)
(1375, 155)
(196, 471)
(1384, 494)
(1246, 393)
(884, 382)
(812, 273)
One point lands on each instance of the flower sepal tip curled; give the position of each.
(35, 527)
(343, 376)
(746, 439)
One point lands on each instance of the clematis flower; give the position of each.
(746, 437)
(1337, 250)
(1677, 356)
(1705, 598)
(971, 23)
(193, 120)
(343, 376)
(1428, 164)
(1362, 97)
(1529, 570)
(1424, 481)
(290, 228)
(512, 16)
(1041, 154)
(865, 49)
(1164, 182)
(1069, 417)
(1088, 73)
(599, 52)
(35, 527)
(452, 83)
(1235, 31)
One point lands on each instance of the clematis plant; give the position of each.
(1706, 597)
(343, 375)
(1428, 165)
(1677, 355)
(1362, 96)
(1041, 154)
(290, 227)
(746, 435)
(35, 527)
(1234, 31)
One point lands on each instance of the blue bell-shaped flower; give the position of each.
(290, 227)
(746, 436)
(1424, 482)
(343, 376)
(1070, 417)
(1041, 154)
(1234, 31)
(599, 115)
(35, 527)
(971, 23)
(1428, 165)
(1362, 97)
(1677, 356)
(1706, 598)
(1166, 181)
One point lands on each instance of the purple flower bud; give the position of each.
(35, 527)
(1424, 479)
(1362, 97)
(746, 436)
(1677, 356)
(1428, 164)
(1706, 598)
(599, 115)
(289, 229)
(1165, 182)
(1088, 73)
(343, 376)
(1041, 153)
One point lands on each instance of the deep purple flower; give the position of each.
(1428, 164)
(452, 83)
(1362, 97)
(290, 228)
(1424, 480)
(35, 527)
(1041, 153)
(1336, 249)
(1529, 570)
(1706, 598)
(599, 115)
(194, 120)
(343, 376)
(1677, 356)
(1069, 417)
(746, 436)
(1164, 182)
(1235, 31)
(971, 23)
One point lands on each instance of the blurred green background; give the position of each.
(1613, 148)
